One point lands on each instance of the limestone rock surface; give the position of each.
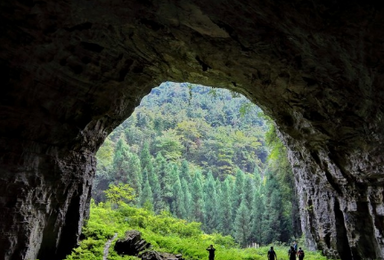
(132, 244)
(71, 71)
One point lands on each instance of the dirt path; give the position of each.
(107, 245)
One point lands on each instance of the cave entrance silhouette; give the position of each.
(73, 72)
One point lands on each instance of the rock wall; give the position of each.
(74, 70)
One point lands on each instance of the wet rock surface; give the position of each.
(74, 70)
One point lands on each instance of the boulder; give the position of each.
(132, 244)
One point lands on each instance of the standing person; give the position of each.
(211, 251)
(295, 245)
(292, 253)
(300, 253)
(272, 254)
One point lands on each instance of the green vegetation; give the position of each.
(194, 166)
(165, 233)
(202, 155)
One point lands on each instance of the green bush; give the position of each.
(166, 234)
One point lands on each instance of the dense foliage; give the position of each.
(165, 233)
(202, 155)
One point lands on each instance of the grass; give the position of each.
(166, 234)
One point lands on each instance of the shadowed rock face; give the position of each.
(71, 71)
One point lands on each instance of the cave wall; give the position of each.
(74, 70)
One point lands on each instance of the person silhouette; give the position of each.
(272, 254)
(211, 251)
(292, 253)
(300, 253)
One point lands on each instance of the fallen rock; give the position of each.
(151, 255)
(132, 244)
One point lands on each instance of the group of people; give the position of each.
(292, 253)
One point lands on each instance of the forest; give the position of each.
(206, 155)
(194, 166)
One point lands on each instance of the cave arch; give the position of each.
(72, 71)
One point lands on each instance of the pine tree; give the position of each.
(242, 224)
(134, 172)
(237, 192)
(146, 199)
(184, 171)
(257, 217)
(145, 156)
(160, 166)
(153, 180)
(248, 191)
(187, 199)
(225, 209)
(218, 202)
(272, 225)
(258, 182)
(178, 203)
(126, 167)
(210, 198)
(273, 220)
(170, 177)
(119, 171)
(197, 198)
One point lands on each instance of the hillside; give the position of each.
(201, 154)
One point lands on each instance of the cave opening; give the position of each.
(72, 72)
(217, 160)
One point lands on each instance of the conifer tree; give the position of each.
(257, 217)
(146, 199)
(178, 203)
(145, 156)
(134, 172)
(171, 175)
(272, 222)
(273, 218)
(153, 180)
(248, 191)
(185, 187)
(257, 179)
(120, 167)
(126, 166)
(210, 199)
(237, 192)
(218, 202)
(160, 167)
(242, 224)
(149, 171)
(184, 171)
(197, 198)
(225, 209)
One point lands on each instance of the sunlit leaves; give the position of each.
(169, 144)
(120, 194)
